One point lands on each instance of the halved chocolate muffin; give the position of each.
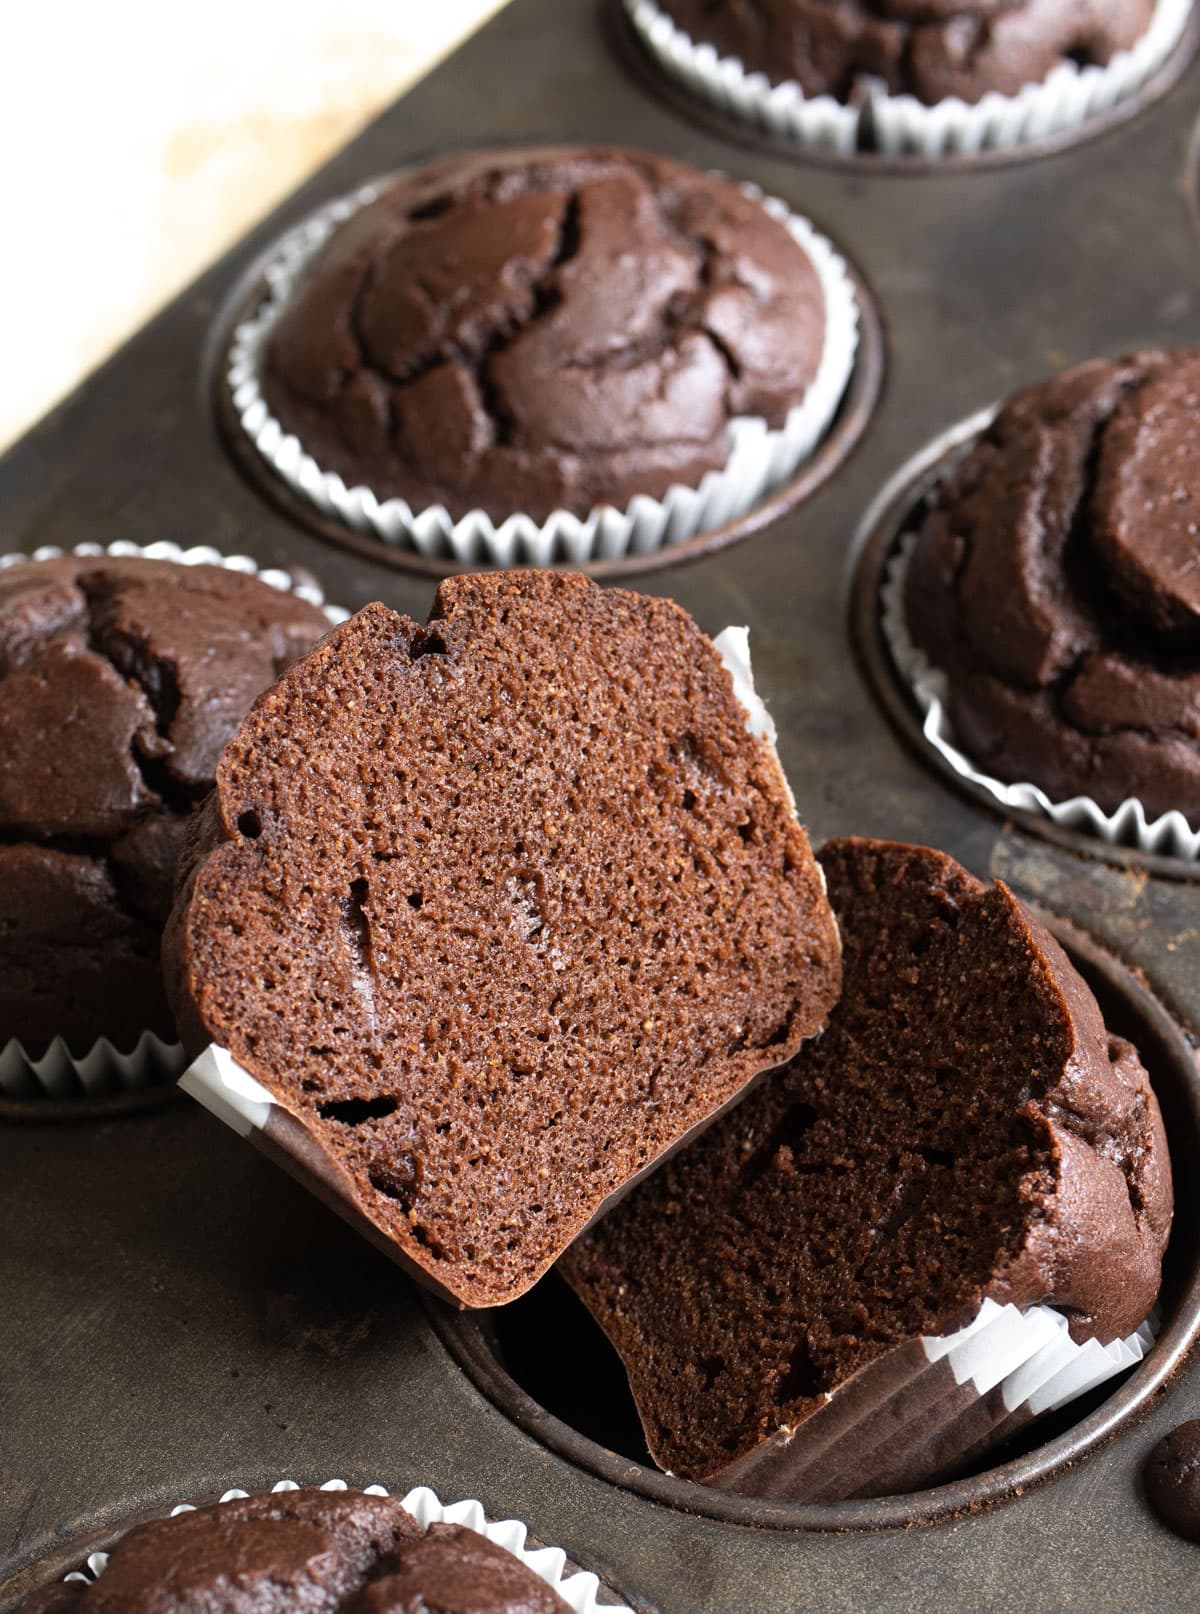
(496, 911)
(965, 1129)
(550, 329)
(930, 49)
(320, 1552)
(1056, 582)
(120, 681)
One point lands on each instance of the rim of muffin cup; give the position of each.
(913, 692)
(768, 472)
(104, 1078)
(581, 1589)
(898, 132)
(1132, 1007)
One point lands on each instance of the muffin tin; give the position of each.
(178, 1317)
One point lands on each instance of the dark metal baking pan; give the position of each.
(177, 1317)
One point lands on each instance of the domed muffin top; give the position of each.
(533, 330)
(1056, 581)
(120, 681)
(304, 1552)
(932, 49)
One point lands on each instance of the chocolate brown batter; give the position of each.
(500, 909)
(965, 1127)
(536, 330)
(120, 681)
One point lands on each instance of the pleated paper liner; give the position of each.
(104, 1071)
(580, 1589)
(928, 1407)
(900, 125)
(1169, 835)
(761, 459)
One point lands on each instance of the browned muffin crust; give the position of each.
(304, 1552)
(459, 1571)
(120, 681)
(1056, 581)
(544, 329)
(500, 909)
(932, 49)
(964, 1128)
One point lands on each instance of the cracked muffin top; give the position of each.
(304, 1552)
(1056, 581)
(120, 682)
(536, 330)
(931, 49)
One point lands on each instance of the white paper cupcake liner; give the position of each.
(1169, 835)
(780, 109)
(104, 1070)
(929, 1407)
(1031, 1358)
(578, 1588)
(900, 124)
(761, 459)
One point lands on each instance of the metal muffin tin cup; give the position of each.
(180, 1314)
(894, 514)
(302, 491)
(483, 1343)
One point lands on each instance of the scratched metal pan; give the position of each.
(178, 1317)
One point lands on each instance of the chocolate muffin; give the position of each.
(304, 1552)
(930, 49)
(965, 1128)
(544, 329)
(498, 910)
(120, 681)
(1056, 582)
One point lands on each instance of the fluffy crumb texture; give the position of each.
(536, 330)
(500, 908)
(304, 1552)
(966, 1127)
(931, 49)
(1056, 581)
(120, 681)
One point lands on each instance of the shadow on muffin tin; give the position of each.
(670, 92)
(545, 1364)
(850, 422)
(103, 1107)
(895, 512)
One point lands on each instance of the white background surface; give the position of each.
(141, 137)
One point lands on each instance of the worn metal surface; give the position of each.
(175, 1315)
